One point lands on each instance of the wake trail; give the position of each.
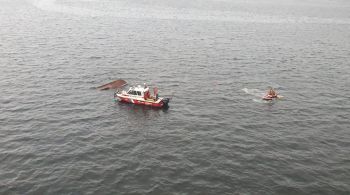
(257, 93)
(254, 92)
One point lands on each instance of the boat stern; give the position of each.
(166, 101)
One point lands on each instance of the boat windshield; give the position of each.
(132, 92)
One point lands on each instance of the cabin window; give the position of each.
(132, 92)
(139, 93)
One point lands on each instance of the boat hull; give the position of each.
(162, 102)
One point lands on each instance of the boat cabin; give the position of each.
(141, 95)
(139, 91)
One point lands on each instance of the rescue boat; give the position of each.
(140, 95)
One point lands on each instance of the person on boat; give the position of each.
(155, 91)
(271, 92)
(146, 95)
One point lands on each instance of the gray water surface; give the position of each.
(59, 135)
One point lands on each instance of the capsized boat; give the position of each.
(113, 85)
(141, 95)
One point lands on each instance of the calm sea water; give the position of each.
(59, 135)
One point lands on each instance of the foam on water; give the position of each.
(254, 92)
